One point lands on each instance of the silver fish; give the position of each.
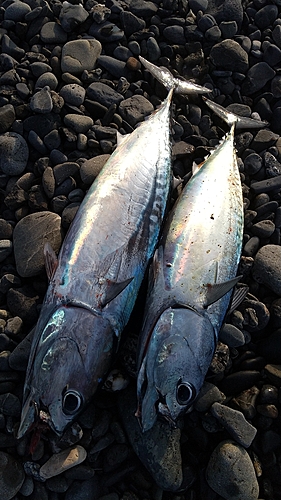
(193, 272)
(96, 277)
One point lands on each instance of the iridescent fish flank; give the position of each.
(96, 278)
(191, 278)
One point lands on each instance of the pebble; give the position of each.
(266, 268)
(79, 123)
(52, 32)
(231, 336)
(246, 402)
(164, 460)
(11, 476)
(47, 79)
(87, 490)
(7, 116)
(263, 229)
(72, 15)
(41, 102)
(257, 77)
(235, 423)
(80, 55)
(135, 109)
(30, 235)
(14, 153)
(229, 55)
(73, 94)
(63, 461)
(230, 472)
(273, 372)
(208, 395)
(92, 167)
(104, 94)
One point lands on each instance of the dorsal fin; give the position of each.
(51, 260)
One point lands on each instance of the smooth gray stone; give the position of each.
(30, 234)
(231, 474)
(235, 423)
(267, 269)
(158, 448)
(11, 476)
(80, 55)
(13, 153)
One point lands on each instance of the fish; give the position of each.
(190, 286)
(94, 281)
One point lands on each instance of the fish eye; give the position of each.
(185, 393)
(71, 402)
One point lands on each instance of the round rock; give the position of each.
(13, 153)
(16, 11)
(231, 474)
(30, 235)
(103, 94)
(267, 269)
(73, 94)
(11, 476)
(41, 102)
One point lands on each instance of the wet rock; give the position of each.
(230, 10)
(30, 235)
(230, 472)
(266, 268)
(157, 448)
(235, 423)
(62, 461)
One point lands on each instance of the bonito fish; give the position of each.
(191, 278)
(95, 279)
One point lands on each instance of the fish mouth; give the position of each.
(164, 412)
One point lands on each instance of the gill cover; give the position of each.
(174, 366)
(68, 363)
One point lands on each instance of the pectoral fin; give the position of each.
(218, 290)
(113, 289)
(51, 260)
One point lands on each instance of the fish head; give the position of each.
(176, 361)
(71, 357)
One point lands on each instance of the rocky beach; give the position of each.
(70, 79)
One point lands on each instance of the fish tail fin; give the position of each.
(164, 76)
(230, 118)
